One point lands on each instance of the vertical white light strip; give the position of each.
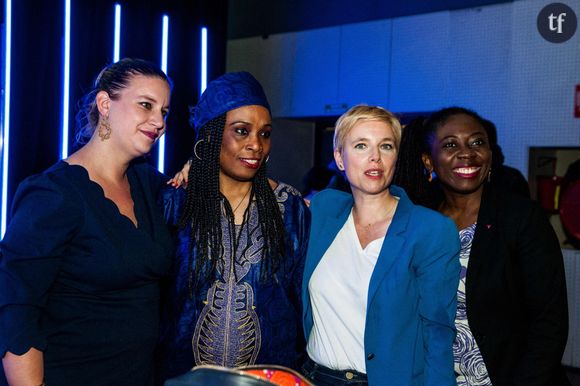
(203, 60)
(6, 123)
(164, 40)
(66, 81)
(117, 44)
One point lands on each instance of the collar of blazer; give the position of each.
(483, 239)
(334, 212)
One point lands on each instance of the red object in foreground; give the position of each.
(278, 375)
(257, 375)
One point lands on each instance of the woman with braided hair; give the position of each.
(235, 297)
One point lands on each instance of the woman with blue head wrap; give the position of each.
(235, 300)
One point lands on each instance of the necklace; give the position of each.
(236, 234)
(388, 216)
(242, 199)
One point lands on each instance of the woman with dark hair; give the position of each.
(235, 299)
(512, 319)
(87, 246)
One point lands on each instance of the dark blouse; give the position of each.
(237, 319)
(79, 281)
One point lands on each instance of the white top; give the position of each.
(338, 296)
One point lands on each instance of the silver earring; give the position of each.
(195, 150)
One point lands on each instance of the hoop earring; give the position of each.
(489, 176)
(104, 130)
(267, 158)
(195, 150)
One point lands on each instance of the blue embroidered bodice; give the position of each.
(237, 319)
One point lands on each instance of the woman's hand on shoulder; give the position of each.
(181, 177)
(273, 184)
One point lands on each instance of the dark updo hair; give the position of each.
(112, 79)
(410, 173)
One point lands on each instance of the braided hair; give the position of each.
(410, 173)
(203, 211)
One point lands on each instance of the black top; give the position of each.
(516, 292)
(79, 281)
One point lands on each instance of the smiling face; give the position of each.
(245, 143)
(460, 155)
(137, 114)
(368, 156)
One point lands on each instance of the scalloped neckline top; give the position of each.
(101, 192)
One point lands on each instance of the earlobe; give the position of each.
(427, 162)
(103, 102)
(338, 160)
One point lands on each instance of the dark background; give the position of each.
(37, 63)
(265, 17)
(37, 68)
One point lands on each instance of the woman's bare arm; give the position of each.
(24, 370)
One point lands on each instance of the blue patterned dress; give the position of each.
(237, 319)
(470, 369)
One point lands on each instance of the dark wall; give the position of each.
(37, 68)
(35, 100)
(264, 17)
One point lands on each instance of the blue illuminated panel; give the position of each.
(66, 81)
(203, 81)
(164, 37)
(6, 122)
(117, 43)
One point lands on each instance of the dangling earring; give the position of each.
(104, 129)
(195, 150)
(489, 176)
(429, 175)
(267, 158)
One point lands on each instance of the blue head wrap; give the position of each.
(228, 92)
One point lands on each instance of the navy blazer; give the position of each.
(516, 292)
(411, 304)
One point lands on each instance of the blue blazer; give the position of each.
(410, 321)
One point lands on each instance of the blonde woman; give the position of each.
(381, 273)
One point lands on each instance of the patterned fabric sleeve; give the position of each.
(297, 220)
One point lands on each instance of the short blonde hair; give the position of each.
(358, 113)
